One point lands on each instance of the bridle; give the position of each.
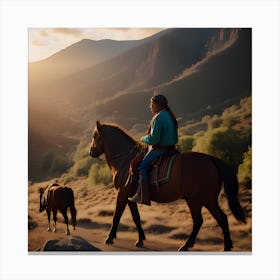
(124, 155)
(121, 158)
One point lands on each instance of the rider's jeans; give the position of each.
(147, 161)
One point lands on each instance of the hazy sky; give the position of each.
(44, 42)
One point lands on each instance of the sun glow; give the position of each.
(44, 42)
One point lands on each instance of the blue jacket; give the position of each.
(163, 131)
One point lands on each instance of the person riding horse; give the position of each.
(195, 177)
(162, 135)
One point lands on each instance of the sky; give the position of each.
(44, 42)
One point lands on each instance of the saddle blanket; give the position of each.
(45, 195)
(160, 172)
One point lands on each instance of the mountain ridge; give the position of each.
(119, 88)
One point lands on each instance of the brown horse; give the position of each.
(55, 197)
(195, 177)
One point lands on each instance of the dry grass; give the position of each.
(166, 225)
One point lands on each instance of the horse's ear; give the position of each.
(98, 125)
(41, 190)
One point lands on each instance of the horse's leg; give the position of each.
(195, 208)
(54, 219)
(49, 219)
(120, 206)
(73, 215)
(136, 218)
(222, 220)
(64, 213)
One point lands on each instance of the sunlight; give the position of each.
(44, 42)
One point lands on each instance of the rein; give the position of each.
(125, 154)
(121, 157)
(119, 160)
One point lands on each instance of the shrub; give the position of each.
(82, 160)
(60, 165)
(81, 167)
(230, 145)
(186, 143)
(225, 143)
(227, 136)
(54, 164)
(81, 151)
(214, 122)
(100, 173)
(245, 169)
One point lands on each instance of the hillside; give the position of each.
(201, 71)
(211, 85)
(166, 225)
(151, 63)
(81, 55)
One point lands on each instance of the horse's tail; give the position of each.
(73, 210)
(230, 181)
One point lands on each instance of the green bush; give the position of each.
(230, 145)
(225, 143)
(54, 164)
(60, 165)
(82, 160)
(81, 151)
(186, 143)
(227, 136)
(81, 167)
(100, 173)
(245, 169)
(214, 122)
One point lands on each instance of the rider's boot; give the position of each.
(143, 193)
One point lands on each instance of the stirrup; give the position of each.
(139, 198)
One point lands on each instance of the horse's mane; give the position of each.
(123, 131)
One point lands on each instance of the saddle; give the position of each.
(161, 168)
(158, 175)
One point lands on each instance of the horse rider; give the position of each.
(162, 135)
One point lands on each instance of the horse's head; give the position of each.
(96, 146)
(41, 191)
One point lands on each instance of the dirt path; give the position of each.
(166, 225)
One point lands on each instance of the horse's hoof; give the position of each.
(183, 249)
(227, 249)
(139, 244)
(48, 229)
(109, 240)
(54, 230)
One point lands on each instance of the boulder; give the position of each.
(73, 243)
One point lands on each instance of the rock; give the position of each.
(73, 243)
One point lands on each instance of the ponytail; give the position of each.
(172, 116)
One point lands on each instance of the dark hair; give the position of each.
(161, 100)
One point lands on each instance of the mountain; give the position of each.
(79, 56)
(200, 70)
(221, 79)
(76, 57)
(146, 65)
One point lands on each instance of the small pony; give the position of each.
(55, 197)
